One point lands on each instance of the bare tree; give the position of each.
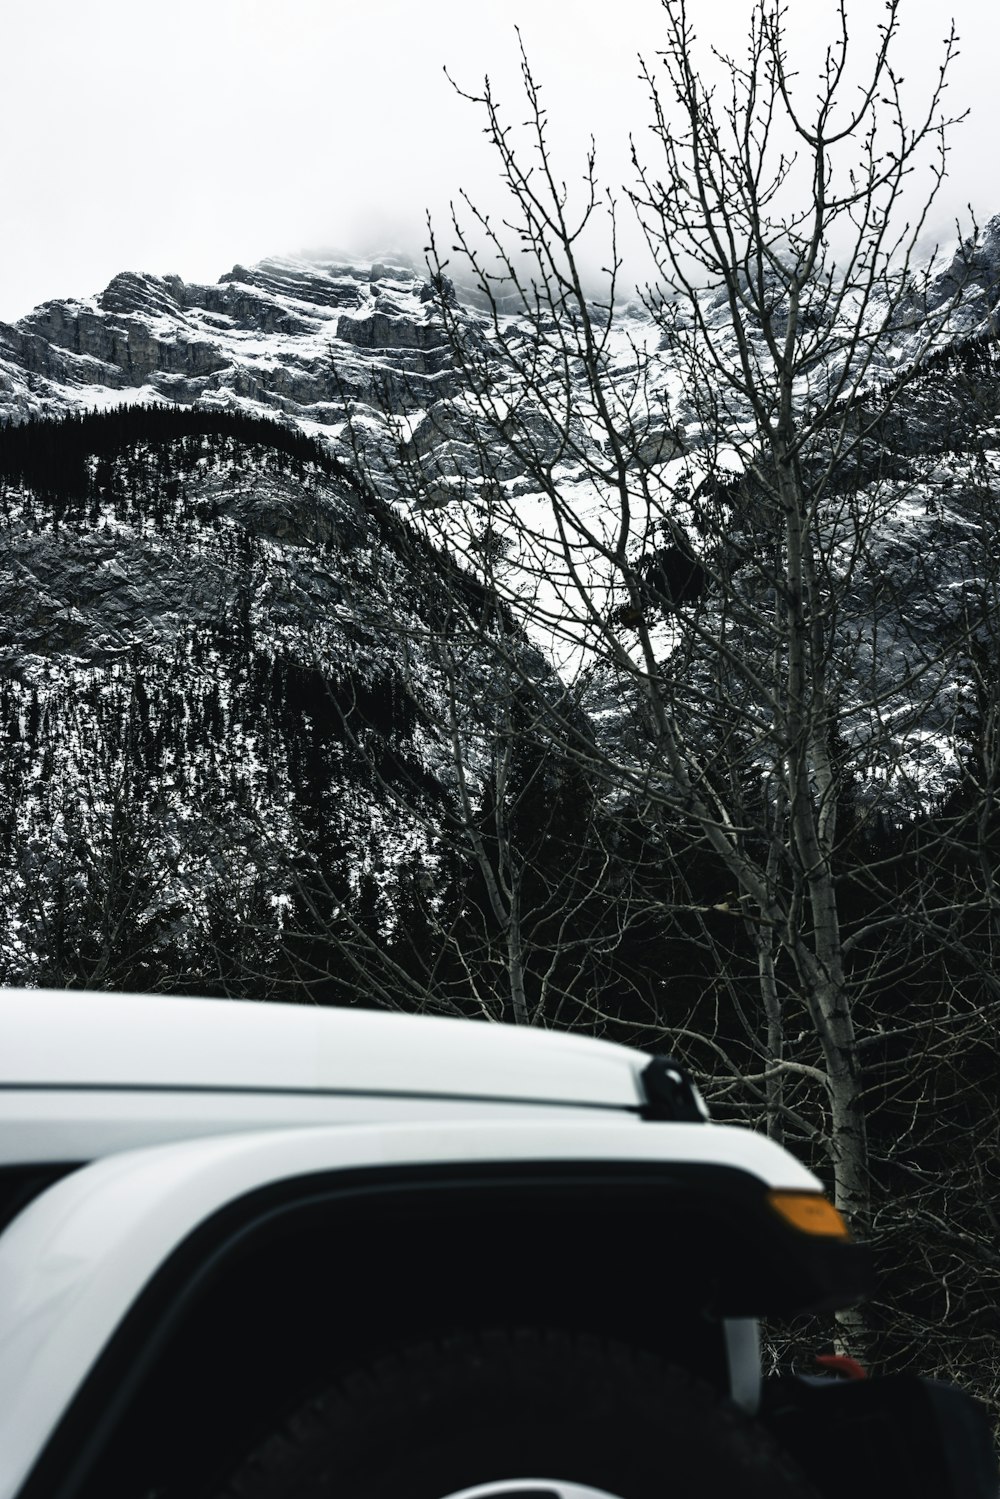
(699, 517)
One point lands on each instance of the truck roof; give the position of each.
(85, 1039)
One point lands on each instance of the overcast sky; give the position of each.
(183, 137)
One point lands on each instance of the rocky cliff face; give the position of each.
(284, 337)
(309, 341)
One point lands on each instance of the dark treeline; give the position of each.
(141, 459)
(50, 455)
(977, 354)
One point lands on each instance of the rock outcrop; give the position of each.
(284, 336)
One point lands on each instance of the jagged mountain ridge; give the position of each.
(280, 337)
(299, 337)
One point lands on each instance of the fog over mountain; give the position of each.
(240, 129)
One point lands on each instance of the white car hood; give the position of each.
(82, 1039)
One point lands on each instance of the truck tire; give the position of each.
(533, 1414)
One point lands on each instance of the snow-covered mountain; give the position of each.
(286, 336)
(298, 338)
(221, 640)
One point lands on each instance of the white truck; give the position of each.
(255, 1251)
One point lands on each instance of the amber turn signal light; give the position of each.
(811, 1213)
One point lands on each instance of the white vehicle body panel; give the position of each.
(82, 1039)
(82, 1124)
(74, 1261)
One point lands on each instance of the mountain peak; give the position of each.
(288, 336)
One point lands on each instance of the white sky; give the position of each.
(183, 137)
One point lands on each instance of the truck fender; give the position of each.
(77, 1258)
